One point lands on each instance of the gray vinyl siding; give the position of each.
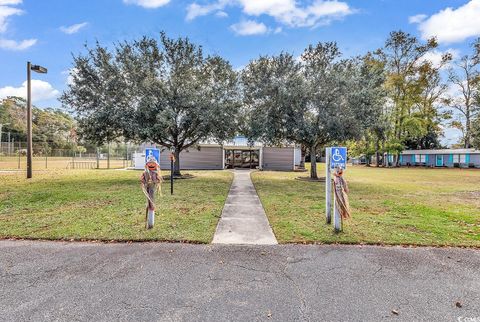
(446, 159)
(475, 159)
(406, 159)
(432, 159)
(207, 158)
(278, 158)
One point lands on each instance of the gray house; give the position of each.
(460, 158)
(237, 153)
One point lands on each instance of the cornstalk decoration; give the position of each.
(151, 185)
(341, 203)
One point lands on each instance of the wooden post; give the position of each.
(328, 186)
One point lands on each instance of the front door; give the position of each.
(242, 159)
(439, 162)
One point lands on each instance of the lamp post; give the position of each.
(41, 70)
(1, 127)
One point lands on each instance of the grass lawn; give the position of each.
(109, 205)
(389, 206)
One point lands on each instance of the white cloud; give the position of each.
(249, 27)
(221, 14)
(41, 91)
(453, 25)
(150, 4)
(195, 10)
(319, 12)
(5, 12)
(17, 45)
(435, 57)
(417, 18)
(10, 2)
(70, 74)
(73, 28)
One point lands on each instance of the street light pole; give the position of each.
(41, 70)
(29, 120)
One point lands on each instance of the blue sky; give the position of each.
(48, 32)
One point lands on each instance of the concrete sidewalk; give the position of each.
(243, 218)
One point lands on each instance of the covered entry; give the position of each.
(242, 158)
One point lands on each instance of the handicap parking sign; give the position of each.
(151, 152)
(338, 157)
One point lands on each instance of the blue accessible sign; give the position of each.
(151, 152)
(338, 157)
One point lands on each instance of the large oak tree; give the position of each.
(162, 91)
(316, 100)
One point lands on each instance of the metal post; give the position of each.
(171, 174)
(337, 220)
(328, 186)
(1, 128)
(29, 120)
(108, 156)
(19, 153)
(9, 147)
(98, 159)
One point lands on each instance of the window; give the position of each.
(462, 158)
(457, 158)
(420, 158)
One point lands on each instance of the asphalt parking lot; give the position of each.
(46, 281)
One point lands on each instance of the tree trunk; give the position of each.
(467, 132)
(377, 153)
(176, 166)
(313, 161)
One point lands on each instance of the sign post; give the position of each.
(328, 187)
(151, 181)
(336, 159)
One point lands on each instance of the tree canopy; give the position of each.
(161, 91)
(315, 100)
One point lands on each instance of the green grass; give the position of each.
(389, 206)
(109, 205)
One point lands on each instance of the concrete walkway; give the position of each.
(243, 218)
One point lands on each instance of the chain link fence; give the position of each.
(13, 156)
